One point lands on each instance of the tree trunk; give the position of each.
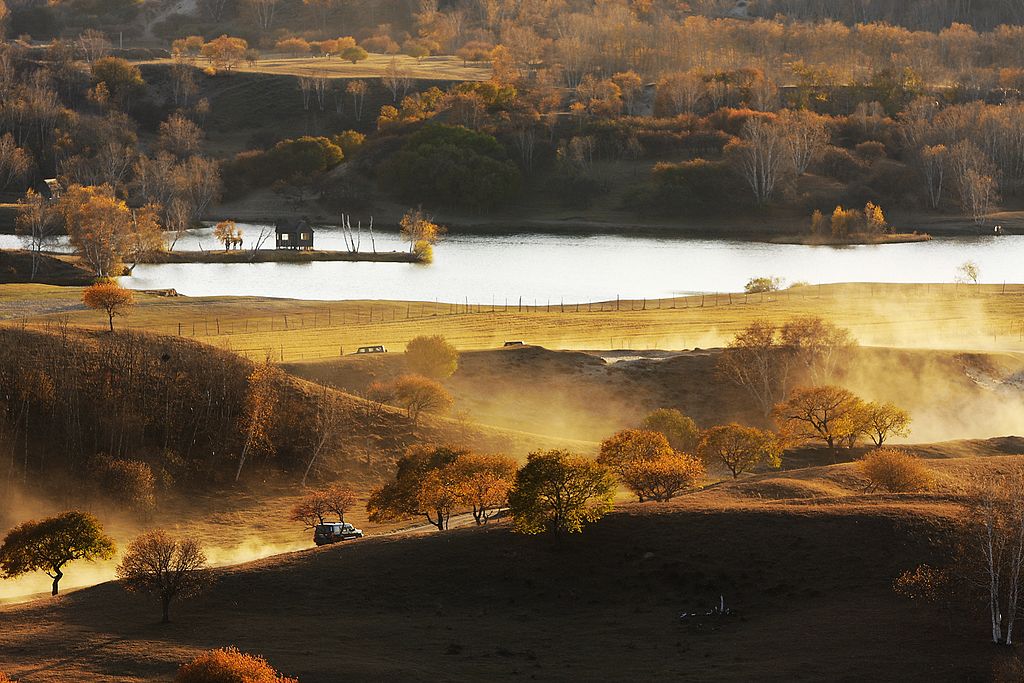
(57, 576)
(165, 602)
(110, 321)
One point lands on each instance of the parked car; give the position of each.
(514, 343)
(372, 349)
(334, 532)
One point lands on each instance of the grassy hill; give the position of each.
(806, 560)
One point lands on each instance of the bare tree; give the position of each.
(760, 157)
(37, 223)
(932, 161)
(94, 45)
(805, 136)
(396, 79)
(165, 567)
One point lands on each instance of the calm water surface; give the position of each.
(573, 268)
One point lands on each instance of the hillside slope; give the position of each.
(811, 583)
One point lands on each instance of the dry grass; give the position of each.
(437, 68)
(809, 575)
(930, 316)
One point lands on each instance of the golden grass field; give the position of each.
(929, 316)
(437, 68)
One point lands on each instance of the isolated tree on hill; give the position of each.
(681, 431)
(740, 449)
(828, 413)
(52, 543)
(110, 297)
(885, 420)
(431, 356)
(483, 483)
(560, 492)
(419, 395)
(354, 54)
(425, 484)
(165, 567)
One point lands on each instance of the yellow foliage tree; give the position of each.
(111, 298)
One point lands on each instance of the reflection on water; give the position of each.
(557, 268)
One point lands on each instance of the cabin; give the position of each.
(294, 234)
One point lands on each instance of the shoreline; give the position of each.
(279, 256)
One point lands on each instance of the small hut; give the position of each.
(294, 234)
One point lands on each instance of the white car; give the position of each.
(334, 532)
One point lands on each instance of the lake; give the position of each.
(543, 267)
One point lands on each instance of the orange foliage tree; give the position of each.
(110, 297)
(104, 231)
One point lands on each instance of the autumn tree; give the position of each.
(120, 78)
(884, 420)
(227, 233)
(740, 449)
(258, 412)
(680, 430)
(559, 492)
(830, 414)
(179, 136)
(757, 361)
(315, 507)
(816, 345)
(483, 483)
(630, 454)
(664, 477)
(15, 163)
(431, 356)
(164, 567)
(104, 231)
(50, 544)
(110, 297)
(420, 231)
(354, 54)
(225, 52)
(425, 484)
(417, 395)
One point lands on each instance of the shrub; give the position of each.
(698, 186)
(871, 151)
(418, 394)
(431, 356)
(757, 285)
(894, 470)
(228, 665)
(129, 483)
(839, 163)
